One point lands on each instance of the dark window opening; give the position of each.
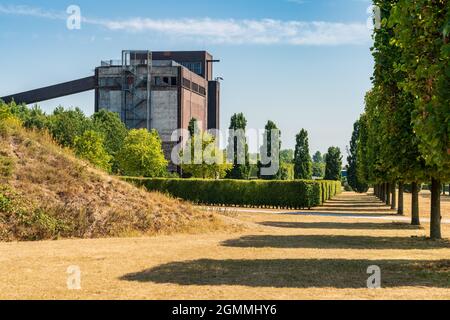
(174, 81)
(186, 83)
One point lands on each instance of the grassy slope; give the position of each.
(46, 193)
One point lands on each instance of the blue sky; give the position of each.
(301, 63)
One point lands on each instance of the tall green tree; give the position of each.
(287, 156)
(422, 34)
(352, 160)
(238, 148)
(141, 155)
(109, 125)
(318, 165)
(201, 156)
(302, 158)
(333, 168)
(317, 157)
(193, 127)
(66, 125)
(267, 157)
(89, 146)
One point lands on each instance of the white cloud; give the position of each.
(30, 11)
(226, 31)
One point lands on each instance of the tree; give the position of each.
(287, 156)
(318, 165)
(317, 157)
(352, 159)
(66, 125)
(141, 155)
(201, 157)
(238, 149)
(302, 160)
(113, 130)
(89, 146)
(193, 127)
(422, 34)
(269, 153)
(333, 167)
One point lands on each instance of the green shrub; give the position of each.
(281, 194)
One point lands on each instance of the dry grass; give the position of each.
(54, 194)
(278, 256)
(425, 205)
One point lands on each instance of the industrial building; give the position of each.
(152, 90)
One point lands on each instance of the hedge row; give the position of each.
(297, 194)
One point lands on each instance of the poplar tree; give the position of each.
(302, 157)
(333, 164)
(239, 170)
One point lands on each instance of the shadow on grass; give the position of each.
(359, 209)
(352, 204)
(341, 226)
(334, 242)
(297, 273)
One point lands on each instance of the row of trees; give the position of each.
(296, 164)
(101, 139)
(403, 137)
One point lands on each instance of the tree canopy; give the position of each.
(302, 160)
(141, 155)
(333, 165)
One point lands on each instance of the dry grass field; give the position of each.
(317, 255)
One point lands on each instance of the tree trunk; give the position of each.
(394, 195)
(415, 204)
(388, 194)
(435, 224)
(400, 210)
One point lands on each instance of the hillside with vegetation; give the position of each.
(47, 192)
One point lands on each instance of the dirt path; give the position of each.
(319, 255)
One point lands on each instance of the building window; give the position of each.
(166, 81)
(194, 87)
(186, 83)
(158, 81)
(174, 81)
(195, 67)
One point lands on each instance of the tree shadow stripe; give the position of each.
(334, 242)
(297, 273)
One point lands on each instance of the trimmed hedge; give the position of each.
(259, 193)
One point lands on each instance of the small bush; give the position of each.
(281, 194)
